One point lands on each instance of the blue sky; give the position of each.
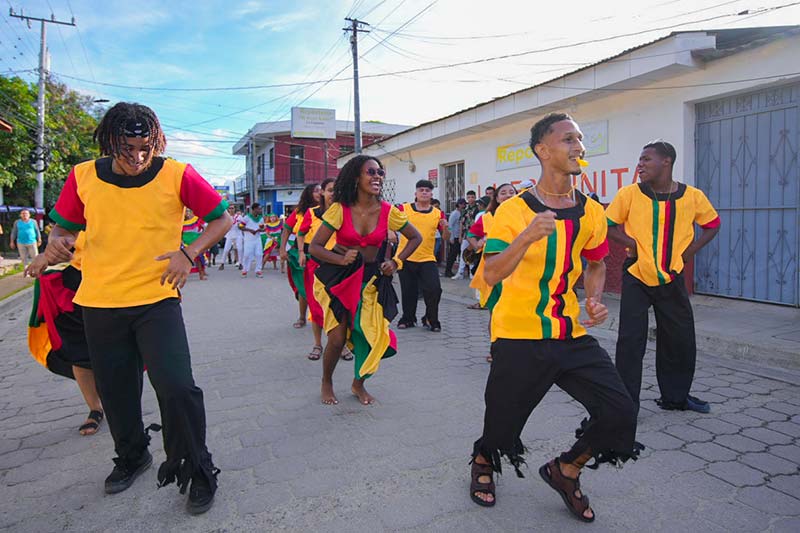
(211, 44)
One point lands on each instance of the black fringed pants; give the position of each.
(521, 374)
(122, 341)
(414, 275)
(676, 349)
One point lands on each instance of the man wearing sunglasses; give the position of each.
(654, 220)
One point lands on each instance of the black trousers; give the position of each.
(413, 276)
(121, 342)
(676, 349)
(453, 251)
(521, 374)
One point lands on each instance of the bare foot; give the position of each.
(328, 397)
(363, 396)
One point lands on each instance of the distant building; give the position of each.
(283, 165)
(729, 100)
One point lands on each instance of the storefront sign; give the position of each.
(519, 155)
(311, 123)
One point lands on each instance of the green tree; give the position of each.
(69, 123)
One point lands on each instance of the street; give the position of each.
(290, 463)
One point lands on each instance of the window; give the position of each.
(260, 165)
(296, 164)
(272, 157)
(453, 184)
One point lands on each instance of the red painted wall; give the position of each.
(314, 155)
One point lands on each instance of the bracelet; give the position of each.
(191, 261)
(398, 262)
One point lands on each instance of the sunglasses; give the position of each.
(376, 172)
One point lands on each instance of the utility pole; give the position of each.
(39, 157)
(355, 28)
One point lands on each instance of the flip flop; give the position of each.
(315, 353)
(299, 324)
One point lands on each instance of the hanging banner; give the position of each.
(312, 123)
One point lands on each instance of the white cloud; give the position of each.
(283, 21)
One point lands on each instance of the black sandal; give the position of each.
(568, 489)
(96, 418)
(479, 470)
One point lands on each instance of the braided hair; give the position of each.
(110, 132)
(345, 191)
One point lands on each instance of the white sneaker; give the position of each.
(458, 276)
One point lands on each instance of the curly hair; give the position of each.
(345, 191)
(543, 127)
(322, 186)
(493, 203)
(306, 201)
(110, 131)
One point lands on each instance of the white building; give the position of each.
(729, 102)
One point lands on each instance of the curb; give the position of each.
(8, 303)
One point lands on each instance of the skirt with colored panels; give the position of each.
(295, 274)
(361, 297)
(56, 337)
(489, 294)
(315, 312)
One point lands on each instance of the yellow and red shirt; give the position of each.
(538, 299)
(427, 223)
(128, 221)
(312, 220)
(662, 224)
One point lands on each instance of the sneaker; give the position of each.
(457, 276)
(201, 496)
(123, 476)
(697, 405)
(259, 274)
(244, 274)
(222, 266)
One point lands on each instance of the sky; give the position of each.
(213, 69)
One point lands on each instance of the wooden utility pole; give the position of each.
(355, 27)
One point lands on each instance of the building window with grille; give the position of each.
(296, 164)
(453, 184)
(272, 157)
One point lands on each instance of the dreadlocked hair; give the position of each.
(109, 133)
(306, 200)
(345, 191)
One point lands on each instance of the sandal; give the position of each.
(315, 353)
(299, 323)
(347, 355)
(479, 470)
(568, 489)
(90, 428)
(489, 358)
(405, 325)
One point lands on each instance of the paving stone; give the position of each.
(710, 451)
(769, 501)
(789, 485)
(660, 441)
(737, 474)
(786, 525)
(790, 452)
(767, 436)
(771, 464)
(741, 420)
(740, 443)
(787, 428)
(716, 426)
(19, 457)
(689, 433)
(765, 414)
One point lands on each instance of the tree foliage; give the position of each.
(70, 120)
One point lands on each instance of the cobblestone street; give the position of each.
(290, 463)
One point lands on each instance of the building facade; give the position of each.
(728, 100)
(282, 165)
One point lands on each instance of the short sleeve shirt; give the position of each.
(662, 226)
(538, 299)
(427, 223)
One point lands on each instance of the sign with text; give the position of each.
(433, 176)
(312, 123)
(519, 155)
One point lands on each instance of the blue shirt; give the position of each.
(27, 232)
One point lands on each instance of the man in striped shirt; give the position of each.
(654, 220)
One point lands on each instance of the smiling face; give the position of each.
(504, 193)
(135, 156)
(317, 194)
(561, 148)
(370, 181)
(327, 193)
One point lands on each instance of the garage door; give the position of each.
(747, 164)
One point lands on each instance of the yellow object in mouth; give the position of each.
(582, 162)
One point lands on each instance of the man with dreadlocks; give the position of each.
(130, 204)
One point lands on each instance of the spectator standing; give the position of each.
(26, 237)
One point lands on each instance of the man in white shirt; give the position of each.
(253, 227)
(231, 238)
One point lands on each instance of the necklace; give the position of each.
(669, 196)
(570, 194)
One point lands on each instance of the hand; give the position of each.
(687, 256)
(59, 249)
(177, 271)
(283, 254)
(349, 257)
(38, 243)
(598, 313)
(388, 267)
(542, 225)
(630, 252)
(37, 266)
(302, 258)
(13, 245)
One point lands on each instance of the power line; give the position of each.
(80, 39)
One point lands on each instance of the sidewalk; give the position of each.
(733, 329)
(13, 286)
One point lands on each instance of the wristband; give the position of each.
(398, 262)
(191, 261)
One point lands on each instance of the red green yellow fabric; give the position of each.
(538, 299)
(662, 224)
